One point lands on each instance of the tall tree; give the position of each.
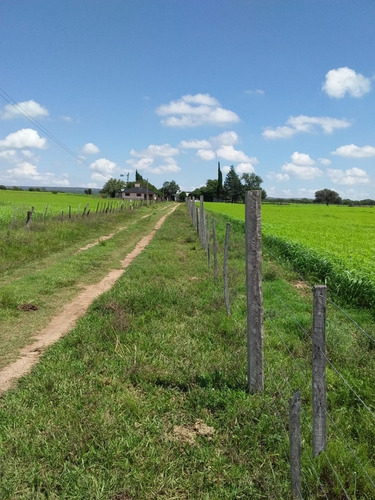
(233, 188)
(138, 176)
(170, 189)
(253, 181)
(327, 196)
(112, 186)
(219, 189)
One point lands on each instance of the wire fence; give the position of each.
(343, 468)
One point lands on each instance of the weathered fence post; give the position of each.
(194, 213)
(253, 240)
(215, 248)
(225, 271)
(29, 215)
(208, 246)
(318, 370)
(202, 220)
(295, 444)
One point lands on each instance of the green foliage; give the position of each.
(233, 189)
(170, 189)
(321, 243)
(219, 189)
(113, 187)
(253, 182)
(328, 197)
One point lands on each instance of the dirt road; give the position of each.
(65, 321)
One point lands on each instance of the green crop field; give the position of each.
(15, 204)
(332, 244)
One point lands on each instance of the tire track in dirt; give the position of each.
(66, 320)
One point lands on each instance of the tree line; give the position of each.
(113, 186)
(233, 188)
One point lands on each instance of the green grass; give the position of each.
(46, 271)
(321, 243)
(101, 416)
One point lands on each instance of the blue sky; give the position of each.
(282, 88)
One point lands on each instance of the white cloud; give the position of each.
(206, 154)
(10, 155)
(353, 151)
(155, 150)
(234, 155)
(104, 167)
(28, 173)
(228, 138)
(324, 161)
(194, 111)
(30, 108)
(348, 177)
(278, 177)
(302, 159)
(245, 168)
(305, 124)
(90, 149)
(155, 159)
(302, 172)
(24, 138)
(195, 144)
(168, 165)
(345, 80)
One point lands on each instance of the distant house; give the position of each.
(138, 193)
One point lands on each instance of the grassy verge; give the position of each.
(146, 397)
(56, 277)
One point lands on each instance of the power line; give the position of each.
(31, 119)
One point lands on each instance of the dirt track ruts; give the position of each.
(65, 321)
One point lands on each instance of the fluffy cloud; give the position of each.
(28, 173)
(156, 150)
(90, 149)
(343, 81)
(206, 154)
(278, 177)
(194, 111)
(30, 108)
(155, 159)
(24, 138)
(104, 167)
(245, 168)
(302, 159)
(353, 151)
(348, 177)
(301, 166)
(233, 155)
(305, 124)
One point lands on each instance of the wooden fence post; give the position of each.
(202, 220)
(295, 444)
(318, 370)
(254, 291)
(29, 215)
(208, 246)
(215, 248)
(225, 271)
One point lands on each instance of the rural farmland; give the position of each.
(155, 372)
